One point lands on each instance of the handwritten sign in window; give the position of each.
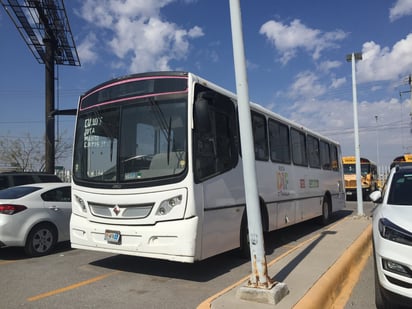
(90, 139)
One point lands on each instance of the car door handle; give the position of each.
(55, 208)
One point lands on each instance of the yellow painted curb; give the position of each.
(326, 292)
(207, 304)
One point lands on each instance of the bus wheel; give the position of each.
(326, 211)
(244, 250)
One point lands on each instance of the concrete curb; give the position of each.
(327, 291)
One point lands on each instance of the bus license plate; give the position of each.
(112, 237)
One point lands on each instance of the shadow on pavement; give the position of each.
(17, 253)
(213, 267)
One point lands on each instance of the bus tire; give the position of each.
(244, 230)
(326, 211)
(244, 249)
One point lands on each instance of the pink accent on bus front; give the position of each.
(132, 98)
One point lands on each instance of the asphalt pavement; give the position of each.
(318, 273)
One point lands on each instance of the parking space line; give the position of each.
(71, 287)
(7, 262)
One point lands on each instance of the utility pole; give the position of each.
(45, 28)
(377, 140)
(410, 90)
(352, 58)
(260, 285)
(409, 81)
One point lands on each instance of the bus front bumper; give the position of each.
(170, 240)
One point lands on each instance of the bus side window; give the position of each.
(279, 142)
(216, 146)
(298, 142)
(334, 158)
(260, 137)
(325, 155)
(313, 151)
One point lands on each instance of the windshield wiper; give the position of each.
(169, 130)
(165, 127)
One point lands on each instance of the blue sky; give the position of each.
(295, 54)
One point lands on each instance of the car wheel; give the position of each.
(380, 301)
(41, 240)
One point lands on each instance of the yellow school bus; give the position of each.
(369, 176)
(402, 160)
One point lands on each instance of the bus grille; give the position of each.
(350, 183)
(128, 211)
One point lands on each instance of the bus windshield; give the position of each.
(349, 169)
(132, 141)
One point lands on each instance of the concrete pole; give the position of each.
(357, 145)
(259, 277)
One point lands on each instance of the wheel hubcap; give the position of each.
(43, 240)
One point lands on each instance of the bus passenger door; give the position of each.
(216, 170)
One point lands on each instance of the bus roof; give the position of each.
(352, 160)
(209, 84)
(261, 109)
(407, 157)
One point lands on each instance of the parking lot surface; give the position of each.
(84, 279)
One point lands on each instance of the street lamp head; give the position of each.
(358, 56)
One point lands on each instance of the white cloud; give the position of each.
(400, 9)
(334, 118)
(85, 49)
(288, 39)
(382, 64)
(321, 115)
(326, 66)
(337, 82)
(306, 85)
(136, 32)
(195, 32)
(376, 88)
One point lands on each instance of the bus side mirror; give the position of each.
(201, 115)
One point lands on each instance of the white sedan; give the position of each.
(35, 216)
(392, 240)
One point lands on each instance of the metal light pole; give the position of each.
(377, 150)
(352, 58)
(377, 140)
(259, 275)
(260, 287)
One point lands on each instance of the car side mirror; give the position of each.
(376, 196)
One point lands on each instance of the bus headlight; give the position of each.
(167, 205)
(81, 203)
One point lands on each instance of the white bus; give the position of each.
(157, 170)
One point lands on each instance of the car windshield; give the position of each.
(401, 187)
(17, 192)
